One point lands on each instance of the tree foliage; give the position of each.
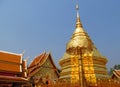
(115, 67)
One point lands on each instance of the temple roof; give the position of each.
(11, 79)
(38, 61)
(10, 62)
(11, 67)
(10, 57)
(116, 73)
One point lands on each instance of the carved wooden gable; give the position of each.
(44, 70)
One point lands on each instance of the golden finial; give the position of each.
(78, 22)
(77, 8)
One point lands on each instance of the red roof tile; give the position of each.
(10, 62)
(13, 79)
(116, 73)
(38, 62)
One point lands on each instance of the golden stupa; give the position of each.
(82, 62)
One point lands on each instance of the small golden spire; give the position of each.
(78, 22)
(80, 38)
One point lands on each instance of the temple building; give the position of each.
(12, 70)
(42, 70)
(116, 75)
(82, 62)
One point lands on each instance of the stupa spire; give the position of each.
(78, 22)
(77, 8)
(82, 63)
(80, 38)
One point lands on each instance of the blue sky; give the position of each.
(47, 25)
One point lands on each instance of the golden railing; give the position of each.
(100, 83)
(108, 83)
(61, 85)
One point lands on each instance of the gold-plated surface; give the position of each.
(82, 59)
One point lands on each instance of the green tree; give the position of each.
(115, 67)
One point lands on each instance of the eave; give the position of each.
(10, 79)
